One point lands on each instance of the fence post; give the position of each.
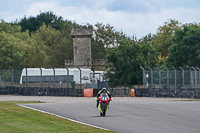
(199, 73)
(80, 78)
(67, 77)
(12, 74)
(40, 77)
(151, 77)
(159, 77)
(92, 71)
(167, 77)
(53, 76)
(195, 77)
(183, 76)
(143, 76)
(26, 76)
(175, 75)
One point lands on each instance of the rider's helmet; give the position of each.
(104, 90)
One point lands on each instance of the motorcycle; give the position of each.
(104, 101)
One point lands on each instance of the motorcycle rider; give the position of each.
(103, 90)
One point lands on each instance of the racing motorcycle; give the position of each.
(103, 103)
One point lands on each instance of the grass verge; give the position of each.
(188, 100)
(14, 118)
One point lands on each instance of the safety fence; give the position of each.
(15, 79)
(171, 78)
(76, 78)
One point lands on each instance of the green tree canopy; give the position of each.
(32, 24)
(13, 46)
(50, 48)
(105, 36)
(126, 60)
(162, 40)
(185, 50)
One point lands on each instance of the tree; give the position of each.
(162, 40)
(68, 42)
(49, 49)
(185, 49)
(105, 36)
(126, 60)
(13, 45)
(32, 24)
(149, 53)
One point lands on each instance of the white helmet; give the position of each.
(104, 90)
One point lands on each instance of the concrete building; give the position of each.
(81, 47)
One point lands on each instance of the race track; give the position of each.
(132, 117)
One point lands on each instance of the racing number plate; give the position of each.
(104, 98)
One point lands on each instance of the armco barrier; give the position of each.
(139, 92)
(88, 92)
(95, 92)
(179, 93)
(41, 91)
(34, 91)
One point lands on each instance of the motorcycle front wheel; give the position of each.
(104, 110)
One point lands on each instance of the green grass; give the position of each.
(16, 119)
(188, 100)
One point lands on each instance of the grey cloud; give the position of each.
(133, 6)
(116, 5)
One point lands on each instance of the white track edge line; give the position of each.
(63, 117)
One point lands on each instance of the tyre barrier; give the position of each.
(136, 92)
(33, 91)
(88, 92)
(41, 91)
(193, 93)
(133, 92)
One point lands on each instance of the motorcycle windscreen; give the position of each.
(104, 94)
(104, 97)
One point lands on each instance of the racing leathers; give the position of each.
(103, 90)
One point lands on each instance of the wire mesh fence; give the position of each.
(47, 78)
(171, 78)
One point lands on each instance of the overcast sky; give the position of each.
(133, 17)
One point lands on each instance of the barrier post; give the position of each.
(195, 77)
(175, 75)
(183, 76)
(143, 76)
(92, 71)
(167, 77)
(67, 77)
(53, 77)
(199, 73)
(159, 77)
(26, 76)
(12, 75)
(80, 78)
(151, 77)
(40, 77)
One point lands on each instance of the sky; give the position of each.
(134, 17)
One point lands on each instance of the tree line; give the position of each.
(45, 41)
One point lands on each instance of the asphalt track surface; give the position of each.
(132, 117)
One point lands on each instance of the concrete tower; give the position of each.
(81, 46)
